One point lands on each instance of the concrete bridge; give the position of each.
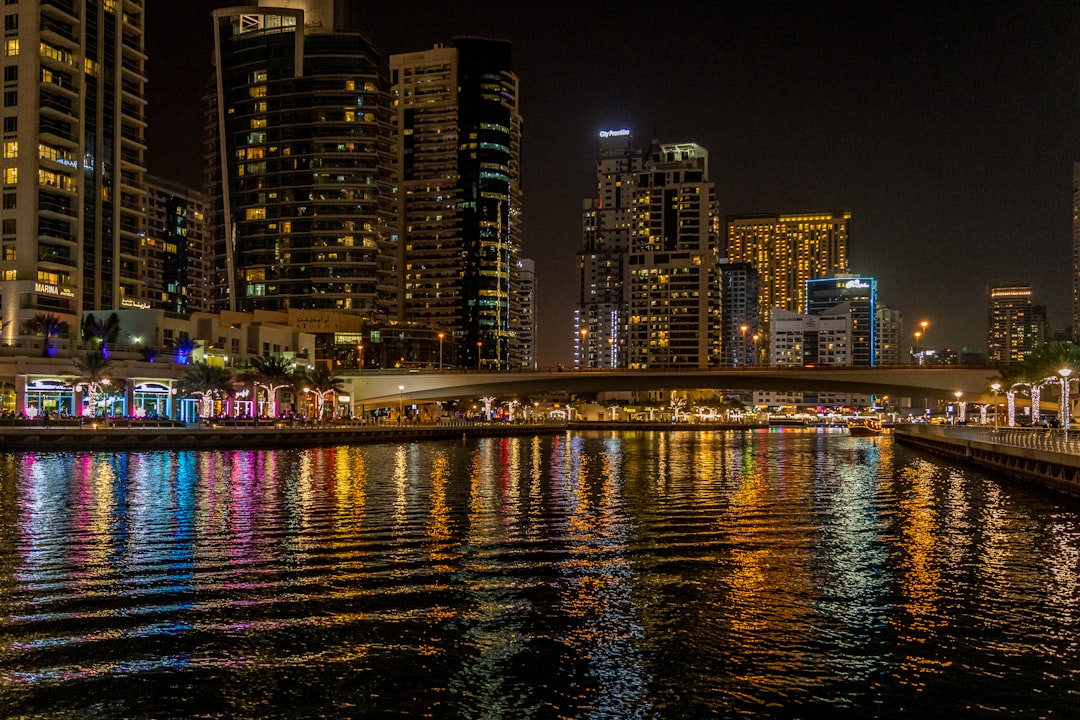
(387, 388)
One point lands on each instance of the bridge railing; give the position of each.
(1043, 439)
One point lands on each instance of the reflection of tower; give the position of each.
(300, 161)
(73, 159)
(459, 195)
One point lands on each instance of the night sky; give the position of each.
(948, 129)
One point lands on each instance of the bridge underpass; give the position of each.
(387, 388)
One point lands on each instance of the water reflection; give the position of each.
(581, 575)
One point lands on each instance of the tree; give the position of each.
(272, 374)
(103, 331)
(48, 326)
(93, 369)
(184, 346)
(322, 382)
(209, 383)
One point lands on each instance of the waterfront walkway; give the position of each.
(1050, 457)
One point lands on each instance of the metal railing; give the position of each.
(1034, 438)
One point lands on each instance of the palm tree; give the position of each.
(272, 374)
(103, 331)
(208, 382)
(93, 369)
(184, 346)
(48, 326)
(322, 381)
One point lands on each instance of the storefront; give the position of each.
(51, 395)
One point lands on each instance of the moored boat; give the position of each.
(864, 426)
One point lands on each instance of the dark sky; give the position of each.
(948, 129)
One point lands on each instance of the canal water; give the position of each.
(584, 575)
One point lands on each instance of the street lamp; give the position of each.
(1064, 413)
(960, 407)
(918, 357)
(401, 404)
(611, 351)
(924, 324)
(360, 363)
(441, 336)
(996, 387)
(757, 356)
(743, 328)
(583, 359)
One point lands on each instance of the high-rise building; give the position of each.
(890, 324)
(673, 308)
(73, 187)
(526, 334)
(1014, 330)
(175, 250)
(859, 296)
(300, 168)
(741, 342)
(787, 251)
(607, 226)
(458, 142)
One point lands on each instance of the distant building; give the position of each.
(176, 250)
(1016, 328)
(600, 324)
(458, 142)
(526, 334)
(673, 309)
(1075, 330)
(859, 295)
(787, 251)
(890, 326)
(73, 164)
(300, 165)
(741, 341)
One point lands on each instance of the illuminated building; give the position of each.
(1016, 328)
(787, 251)
(73, 145)
(300, 167)
(1076, 253)
(607, 226)
(673, 303)
(890, 336)
(174, 252)
(526, 334)
(742, 342)
(859, 295)
(458, 142)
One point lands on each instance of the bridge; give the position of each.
(387, 388)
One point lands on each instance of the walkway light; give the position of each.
(1064, 412)
(996, 387)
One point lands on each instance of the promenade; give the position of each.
(1050, 457)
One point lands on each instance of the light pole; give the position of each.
(742, 349)
(960, 407)
(611, 351)
(757, 355)
(360, 363)
(401, 404)
(918, 357)
(479, 346)
(441, 336)
(584, 360)
(1064, 412)
(996, 387)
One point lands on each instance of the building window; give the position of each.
(11, 47)
(11, 22)
(11, 73)
(11, 176)
(11, 98)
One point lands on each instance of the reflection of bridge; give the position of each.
(384, 388)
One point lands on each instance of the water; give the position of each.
(644, 575)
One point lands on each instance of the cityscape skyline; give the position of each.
(944, 131)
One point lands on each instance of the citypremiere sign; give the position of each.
(624, 132)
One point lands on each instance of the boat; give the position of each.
(864, 426)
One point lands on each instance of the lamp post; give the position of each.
(1064, 412)
(479, 347)
(996, 387)
(961, 407)
(360, 363)
(441, 336)
(611, 351)
(757, 355)
(401, 404)
(583, 360)
(918, 357)
(742, 348)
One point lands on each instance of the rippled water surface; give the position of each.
(643, 575)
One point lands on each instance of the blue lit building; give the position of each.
(860, 293)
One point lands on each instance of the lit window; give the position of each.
(11, 176)
(256, 213)
(11, 47)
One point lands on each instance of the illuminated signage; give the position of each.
(855, 284)
(139, 304)
(625, 132)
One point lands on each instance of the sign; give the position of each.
(624, 132)
(855, 285)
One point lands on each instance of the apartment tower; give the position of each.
(73, 168)
(458, 142)
(300, 167)
(174, 252)
(1016, 327)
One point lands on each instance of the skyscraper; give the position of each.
(176, 266)
(458, 141)
(1014, 329)
(1076, 252)
(301, 170)
(788, 250)
(73, 167)
(673, 309)
(607, 226)
(859, 296)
